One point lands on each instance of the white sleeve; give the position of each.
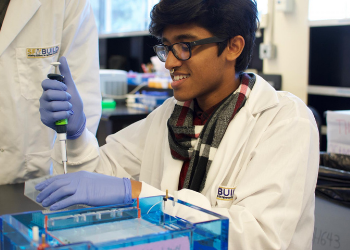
(123, 153)
(113, 158)
(121, 156)
(82, 154)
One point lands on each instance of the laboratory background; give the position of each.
(302, 46)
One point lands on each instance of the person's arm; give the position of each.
(119, 159)
(136, 187)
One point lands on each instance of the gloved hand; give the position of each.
(83, 188)
(62, 101)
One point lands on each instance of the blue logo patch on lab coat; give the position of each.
(42, 52)
(225, 193)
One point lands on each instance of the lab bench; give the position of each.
(12, 200)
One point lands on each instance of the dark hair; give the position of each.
(223, 18)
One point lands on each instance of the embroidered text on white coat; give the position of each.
(225, 193)
(42, 52)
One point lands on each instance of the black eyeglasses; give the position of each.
(182, 51)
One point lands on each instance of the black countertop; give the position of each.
(121, 112)
(12, 200)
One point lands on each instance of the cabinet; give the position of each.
(127, 53)
(329, 74)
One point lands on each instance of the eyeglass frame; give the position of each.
(189, 45)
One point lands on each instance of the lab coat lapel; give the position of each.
(19, 12)
(262, 97)
(231, 145)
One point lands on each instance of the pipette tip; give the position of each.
(65, 167)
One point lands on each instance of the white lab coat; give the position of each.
(25, 143)
(269, 154)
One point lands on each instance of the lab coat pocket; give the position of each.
(32, 71)
(38, 164)
(225, 196)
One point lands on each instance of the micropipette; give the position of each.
(61, 125)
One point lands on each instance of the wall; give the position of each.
(290, 33)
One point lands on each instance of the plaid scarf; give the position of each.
(200, 143)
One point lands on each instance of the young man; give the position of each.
(227, 140)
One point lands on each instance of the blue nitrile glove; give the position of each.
(62, 101)
(83, 188)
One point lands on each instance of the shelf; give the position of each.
(331, 22)
(328, 91)
(125, 34)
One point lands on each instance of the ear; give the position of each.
(234, 48)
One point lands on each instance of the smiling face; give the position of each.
(205, 76)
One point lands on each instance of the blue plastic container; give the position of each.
(116, 227)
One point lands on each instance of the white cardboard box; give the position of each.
(338, 132)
